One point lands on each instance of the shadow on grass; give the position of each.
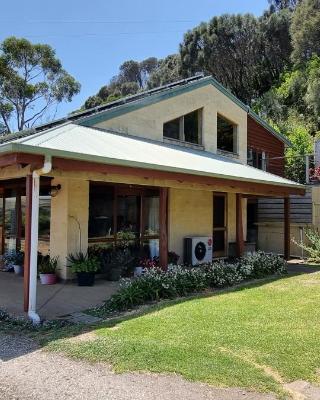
(44, 335)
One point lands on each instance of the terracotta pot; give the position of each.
(48, 279)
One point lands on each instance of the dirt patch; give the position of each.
(84, 337)
(307, 390)
(35, 374)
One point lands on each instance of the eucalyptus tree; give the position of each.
(32, 82)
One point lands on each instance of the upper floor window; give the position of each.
(226, 135)
(186, 128)
(257, 159)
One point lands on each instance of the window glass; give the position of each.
(128, 214)
(171, 129)
(191, 127)
(101, 211)
(259, 163)
(254, 158)
(219, 241)
(250, 157)
(218, 211)
(151, 215)
(226, 139)
(44, 222)
(10, 221)
(185, 128)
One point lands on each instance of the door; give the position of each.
(219, 235)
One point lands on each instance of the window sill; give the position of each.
(228, 153)
(183, 144)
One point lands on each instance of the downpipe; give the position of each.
(32, 310)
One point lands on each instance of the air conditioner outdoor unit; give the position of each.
(197, 250)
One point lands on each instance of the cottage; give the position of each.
(184, 160)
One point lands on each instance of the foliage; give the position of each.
(125, 239)
(302, 144)
(281, 4)
(297, 96)
(32, 80)
(177, 281)
(133, 77)
(305, 30)
(168, 71)
(48, 265)
(312, 247)
(173, 258)
(148, 263)
(246, 54)
(13, 257)
(82, 262)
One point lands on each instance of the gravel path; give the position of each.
(29, 373)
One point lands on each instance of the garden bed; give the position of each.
(179, 281)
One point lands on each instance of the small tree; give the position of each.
(32, 80)
(312, 247)
(302, 143)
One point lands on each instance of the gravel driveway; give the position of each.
(27, 372)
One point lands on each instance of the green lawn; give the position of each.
(255, 337)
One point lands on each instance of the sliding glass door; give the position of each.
(220, 239)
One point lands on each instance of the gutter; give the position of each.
(47, 167)
(46, 151)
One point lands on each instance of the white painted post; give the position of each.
(34, 250)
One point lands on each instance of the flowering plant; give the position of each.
(179, 280)
(314, 174)
(148, 263)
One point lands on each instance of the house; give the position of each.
(165, 164)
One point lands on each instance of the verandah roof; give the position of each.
(90, 144)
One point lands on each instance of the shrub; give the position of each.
(81, 262)
(313, 247)
(179, 280)
(13, 257)
(48, 265)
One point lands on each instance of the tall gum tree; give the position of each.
(32, 82)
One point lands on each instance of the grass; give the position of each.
(257, 337)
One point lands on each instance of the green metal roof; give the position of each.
(91, 144)
(130, 103)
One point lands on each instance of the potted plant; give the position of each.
(85, 267)
(14, 259)
(47, 270)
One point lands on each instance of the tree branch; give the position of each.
(5, 121)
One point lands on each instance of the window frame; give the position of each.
(253, 161)
(235, 151)
(126, 190)
(181, 128)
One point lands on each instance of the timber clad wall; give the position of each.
(271, 210)
(259, 138)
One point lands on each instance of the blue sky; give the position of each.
(92, 38)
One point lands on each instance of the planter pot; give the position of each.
(85, 278)
(114, 274)
(48, 279)
(138, 271)
(18, 269)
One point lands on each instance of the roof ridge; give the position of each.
(139, 100)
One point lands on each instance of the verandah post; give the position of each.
(286, 228)
(239, 226)
(163, 228)
(27, 245)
